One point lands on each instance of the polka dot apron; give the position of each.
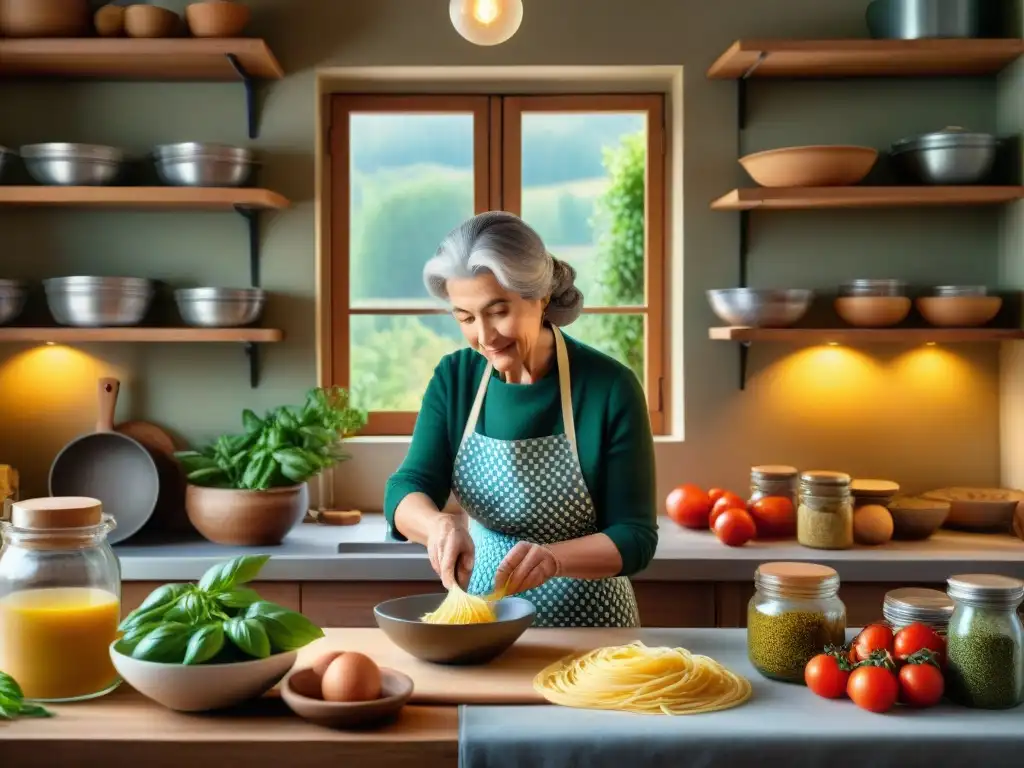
(534, 490)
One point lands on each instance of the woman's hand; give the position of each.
(451, 551)
(526, 566)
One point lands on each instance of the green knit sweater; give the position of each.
(613, 436)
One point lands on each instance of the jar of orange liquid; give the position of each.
(60, 599)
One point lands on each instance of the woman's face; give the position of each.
(501, 325)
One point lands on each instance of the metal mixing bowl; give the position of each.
(760, 307)
(873, 287)
(13, 294)
(949, 156)
(90, 302)
(960, 290)
(61, 164)
(220, 307)
(192, 164)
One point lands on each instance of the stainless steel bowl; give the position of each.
(61, 164)
(960, 290)
(760, 307)
(918, 19)
(12, 300)
(191, 164)
(85, 301)
(220, 307)
(5, 159)
(949, 156)
(873, 287)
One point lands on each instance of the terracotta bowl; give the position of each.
(218, 18)
(873, 311)
(150, 21)
(959, 311)
(246, 518)
(396, 688)
(978, 509)
(452, 644)
(914, 519)
(45, 18)
(813, 166)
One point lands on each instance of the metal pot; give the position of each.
(919, 19)
(57, 163)
(950, 156)
(220, 307)
(91, 302)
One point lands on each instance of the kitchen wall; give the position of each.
(926, 417)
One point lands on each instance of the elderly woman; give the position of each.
(545, 442)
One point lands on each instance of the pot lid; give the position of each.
(951, 136)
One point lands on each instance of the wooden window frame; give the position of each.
(497, 161)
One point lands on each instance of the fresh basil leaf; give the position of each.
(233, 573)
(133, 636)
(251, 421)
(249, 635)
(165, 644)
(239, 597)
(204, 644)
(155, 605)
(34, 710)
(9, 688)
(9, 709)
(288, 630)
(189, 609)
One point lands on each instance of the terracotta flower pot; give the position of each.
(246, 518)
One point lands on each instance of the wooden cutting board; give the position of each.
(506, 680)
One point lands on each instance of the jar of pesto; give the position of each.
(985, 642)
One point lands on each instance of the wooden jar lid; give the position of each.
(796, 574)
(57, 513)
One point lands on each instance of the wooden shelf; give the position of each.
(173, 198)
(795, 198)
(864, 58)
(148, 335)
(811, 336)
(168, 59)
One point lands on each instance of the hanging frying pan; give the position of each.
(111, 467)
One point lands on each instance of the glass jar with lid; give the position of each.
(824, 518)
(794, 614)
(60, 599)
(774, 481)
(985, 642)
(909, 605)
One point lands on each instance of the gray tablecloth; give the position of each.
(782, 725)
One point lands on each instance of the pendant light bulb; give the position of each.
(486, 22)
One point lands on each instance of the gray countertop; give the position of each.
(362, 553)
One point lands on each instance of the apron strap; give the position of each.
(564, 389)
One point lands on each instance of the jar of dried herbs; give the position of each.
(794, 614)
(985, 642)
(910, 605)
(824, 517)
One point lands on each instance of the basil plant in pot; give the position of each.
(250, 489)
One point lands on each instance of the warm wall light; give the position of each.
(486, 22)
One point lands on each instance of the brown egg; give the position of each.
(351, 677)
(324, 660)
(307, 685)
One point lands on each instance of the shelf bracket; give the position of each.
(744, 246)
(252, 351)
(744, 353)
(252, 218)
(741, 94)
(250, 93)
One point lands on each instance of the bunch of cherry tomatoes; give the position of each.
(879, 669)
(733, 520)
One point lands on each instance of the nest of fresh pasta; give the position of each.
(460, 607)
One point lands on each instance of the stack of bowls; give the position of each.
(191, 164)
(220, 307)
(61, 164)
(91, 302)
(12, 300)
(873, 303)
(959, 306)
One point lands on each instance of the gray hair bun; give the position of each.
(566, 299)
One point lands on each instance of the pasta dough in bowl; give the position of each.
(471, 642)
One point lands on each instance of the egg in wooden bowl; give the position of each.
(346, 690)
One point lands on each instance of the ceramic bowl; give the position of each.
(396, 688)
(202, 687)
(447, 643)
(811, 166)
(987, 510)
(915, 519)
(959, 311)
(873, 311)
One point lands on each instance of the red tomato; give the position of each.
(874, 637)
(735, 527)
(825, 675)
(715, 494)
(727, 500)
(915, 637)
(873, 688)
(689, 506)
(774, 517)
(921, 684)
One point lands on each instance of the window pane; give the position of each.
(411, 183)
(393, 358)
(583, 179)
(619, 336)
